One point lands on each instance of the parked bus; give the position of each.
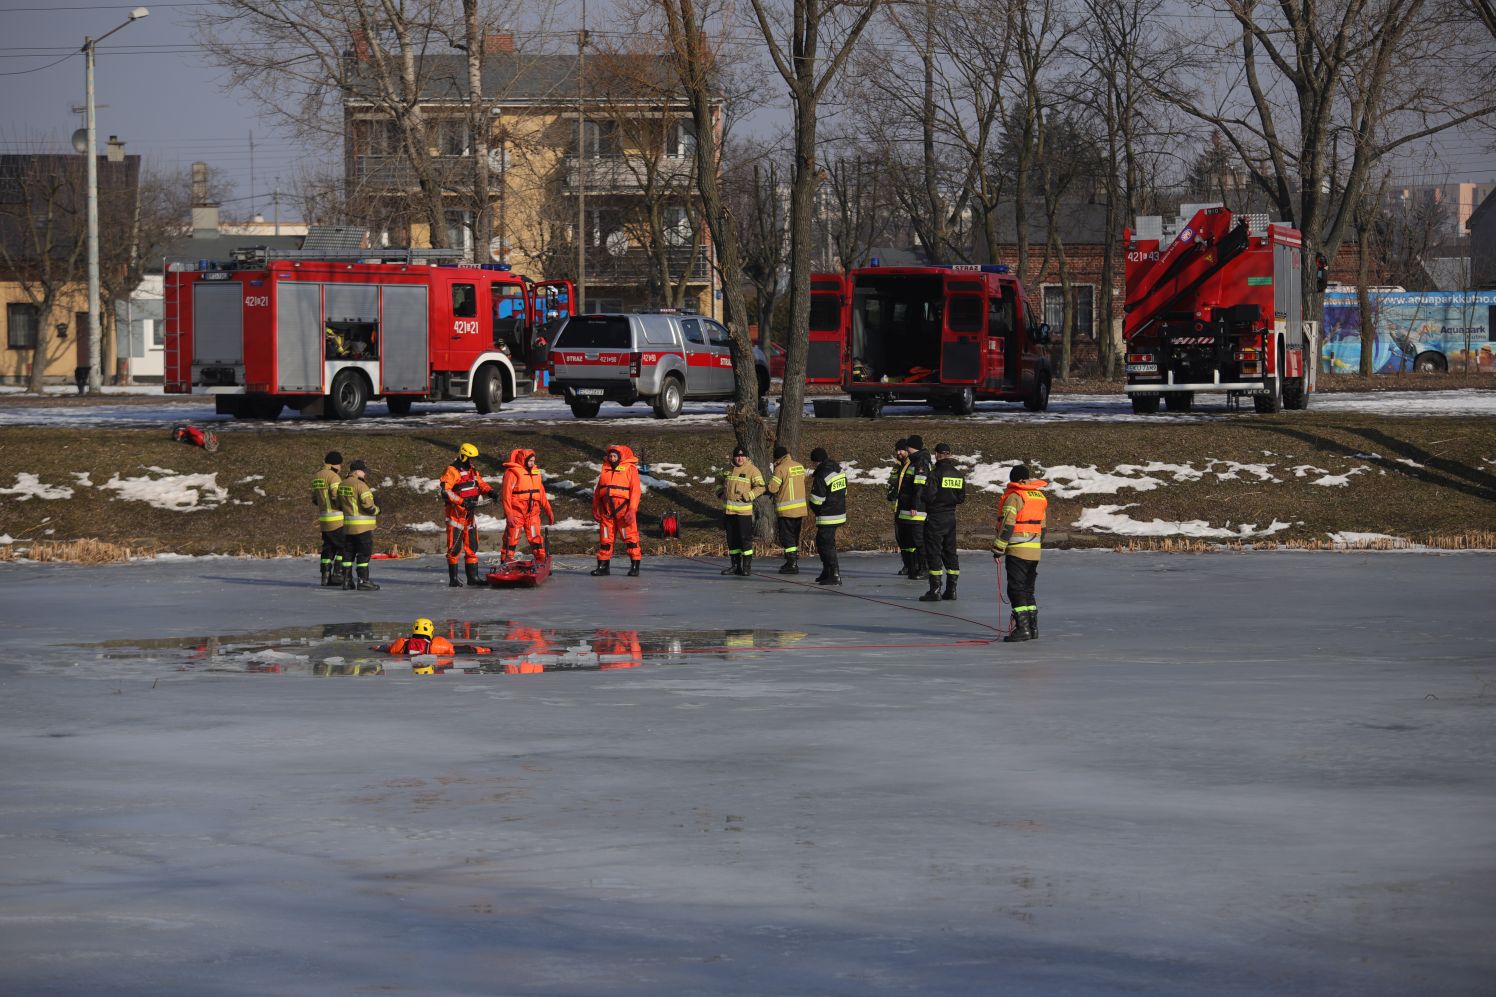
(1415, 330)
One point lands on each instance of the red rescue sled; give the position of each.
(522, 572)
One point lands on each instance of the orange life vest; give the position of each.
(1035, 505)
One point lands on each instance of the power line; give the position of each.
(23, 72)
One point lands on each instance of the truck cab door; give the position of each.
(828, 356)
(963, 331)
(553, 302)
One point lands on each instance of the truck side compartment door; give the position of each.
(828, 354)
(406, 366)
(962, 331)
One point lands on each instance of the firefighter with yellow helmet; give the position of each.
(462, 487)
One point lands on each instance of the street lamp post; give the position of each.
(95, 361)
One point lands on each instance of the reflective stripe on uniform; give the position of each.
(738, 508)
(831, 520)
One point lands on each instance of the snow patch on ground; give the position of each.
(856, 475)
(169, 490)
(416, 483)
(1340, 480)
(667, 470)
(1110, 519)
(6, 538)
(1349, 539)
(82, 479)
(28, 486)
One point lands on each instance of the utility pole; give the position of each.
(581, 302)
(277, 200)
(95, 361)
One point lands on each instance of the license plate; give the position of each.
(1142, 368)
(590, 392)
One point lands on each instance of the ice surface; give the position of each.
(1149, 800)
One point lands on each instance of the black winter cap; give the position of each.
(358, 465)
(901, 444)
(819, 454)
(781, 452)
(942, 448)
(333, 457)
(1019, 473)
(916, 443)
(739, 452)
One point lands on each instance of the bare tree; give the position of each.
(310, 56)
(1330, 89)
(754, 192)
(795, 36)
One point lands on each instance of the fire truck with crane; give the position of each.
(326, 332)
(1214, 305)
(948, 335)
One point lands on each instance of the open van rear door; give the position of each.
(830, 309)
(963, 329)
(553, 300)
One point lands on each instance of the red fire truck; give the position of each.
(324, 333)
(946, 335)
(1215, 306)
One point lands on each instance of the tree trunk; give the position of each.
(478, 125)
(36, 384)
(802, 209)
(1363, 295)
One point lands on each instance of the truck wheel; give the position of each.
(1271, 402)
(488, 390)
(1144, 404)
(585, 409)
(1179, 401)
(1295, 394)
(963, 402)
(869, 407)
(1039, 400)
(1430, 363)
(348, 396)
(399, 405)
(668, 402)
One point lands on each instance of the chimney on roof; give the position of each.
(116, 150)
(498, 43)
(361, 45)
(204, 211)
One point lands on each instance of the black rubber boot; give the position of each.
(790, 565)
(736, 567)
(916, 566)
(933, 595)
(364, 585)
(904, 564)
(452, 580)
(829, 580)
(334, 577)
(350, 579)
(747, 565)
(326, 571)
(1023, 629)
(603, 568)
(634, 569)
(949, 595)
(472, 575)
(1033, 627)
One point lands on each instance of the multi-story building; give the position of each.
(609, 163)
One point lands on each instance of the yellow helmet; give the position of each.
(467, 451)
(423, 628)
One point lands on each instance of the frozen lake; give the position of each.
(1258, 773)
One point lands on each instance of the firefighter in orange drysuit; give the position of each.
(462, 486)
(615, 506)
(524, 498)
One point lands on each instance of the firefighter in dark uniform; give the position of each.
(330, 518)
(1020, 533)
(895, 483)
(944, 491)
(828, 497)
(911, 514)
(740, 486)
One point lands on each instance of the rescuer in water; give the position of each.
(523, 494)
(944, 491)
(359, 520)
(740, 486)
(911, 514)
(1020, 531)
(422, 640)
(828, 496)
(787, 486)
(330, 518)
(615, 506)
(462, 486)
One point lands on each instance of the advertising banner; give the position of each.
(1450, 330)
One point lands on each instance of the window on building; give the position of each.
(677, 225)
(601, 139)
(449, 136)
(1084, 298)
(457, 230)
(20, 326)
(683, 139)
(376, 137)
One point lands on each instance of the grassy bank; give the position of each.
(1422, 479)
